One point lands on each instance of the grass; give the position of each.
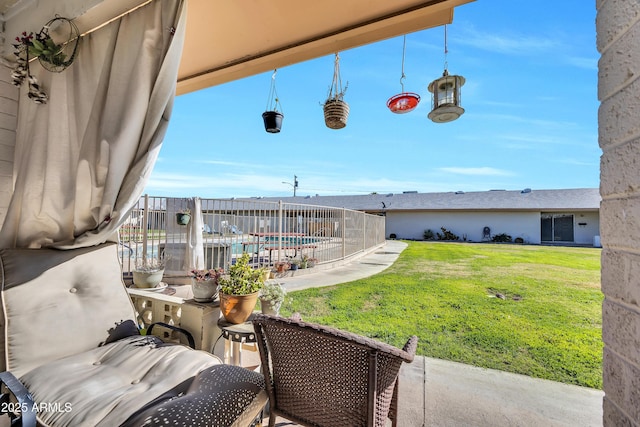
(532, 310)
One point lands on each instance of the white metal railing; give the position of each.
(270, 231)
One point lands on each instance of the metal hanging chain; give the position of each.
(446, 65)
(273, 94)
(404, 49)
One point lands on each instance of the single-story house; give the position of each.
(567, 216)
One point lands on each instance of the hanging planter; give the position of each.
(336, 110)
(53, 56)
(406, 101)
(272, 118)
(183, 217)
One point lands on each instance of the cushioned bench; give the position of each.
(72, 340)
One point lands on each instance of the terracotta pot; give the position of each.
(237, 308)
(204, 291)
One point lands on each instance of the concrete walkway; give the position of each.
(440, 393)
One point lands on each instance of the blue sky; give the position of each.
(530, 118)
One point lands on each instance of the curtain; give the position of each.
(83, 159)
(194, 249)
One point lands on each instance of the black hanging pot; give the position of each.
(272, 121)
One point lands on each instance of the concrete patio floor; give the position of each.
(440, 393)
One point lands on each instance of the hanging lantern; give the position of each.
(446, 98)
(446, 93)
(272, 118)
(405, 101)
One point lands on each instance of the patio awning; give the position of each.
(230, 40)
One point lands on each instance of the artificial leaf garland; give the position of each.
(23, 48)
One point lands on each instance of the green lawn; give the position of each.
(533, 310)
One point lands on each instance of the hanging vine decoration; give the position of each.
(54, 57)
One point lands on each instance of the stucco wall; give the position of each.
(411, 225)
(583, 234)
(8, 118)
(618, 36)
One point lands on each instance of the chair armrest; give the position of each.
(186, 333)
(406, 354)
(24, 405)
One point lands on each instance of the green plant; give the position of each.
(206, 274)
(242, 278)
(447, 235)
(503, 237)
(428, 234)
(274, 292)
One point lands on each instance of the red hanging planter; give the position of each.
(403, 102)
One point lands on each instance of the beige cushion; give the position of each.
(104, 386)
(59, 307)
(59, 303)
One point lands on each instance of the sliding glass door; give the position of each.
(556, 228)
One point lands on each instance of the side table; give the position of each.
(237, 338)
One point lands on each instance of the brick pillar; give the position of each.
(618, 41)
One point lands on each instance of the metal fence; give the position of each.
(271, 232)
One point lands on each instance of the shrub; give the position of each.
(447, 235)
(504, 237)
(428, 234)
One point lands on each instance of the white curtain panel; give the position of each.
(194, 249)
(83, 159)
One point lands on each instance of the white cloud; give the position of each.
(507, 44)
(481, 171)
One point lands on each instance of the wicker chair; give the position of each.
(320, 376)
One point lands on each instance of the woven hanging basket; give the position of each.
(336, 113)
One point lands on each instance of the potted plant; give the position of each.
(54, 57)
(294, 264)
(183, 216)
(336, 110)
(148, 272)
(239, 288)
(272, 118)
(282, 266)
(271, 297)
(204, 284)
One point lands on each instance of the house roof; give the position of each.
(576, 199)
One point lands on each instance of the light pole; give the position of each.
(294, 185)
